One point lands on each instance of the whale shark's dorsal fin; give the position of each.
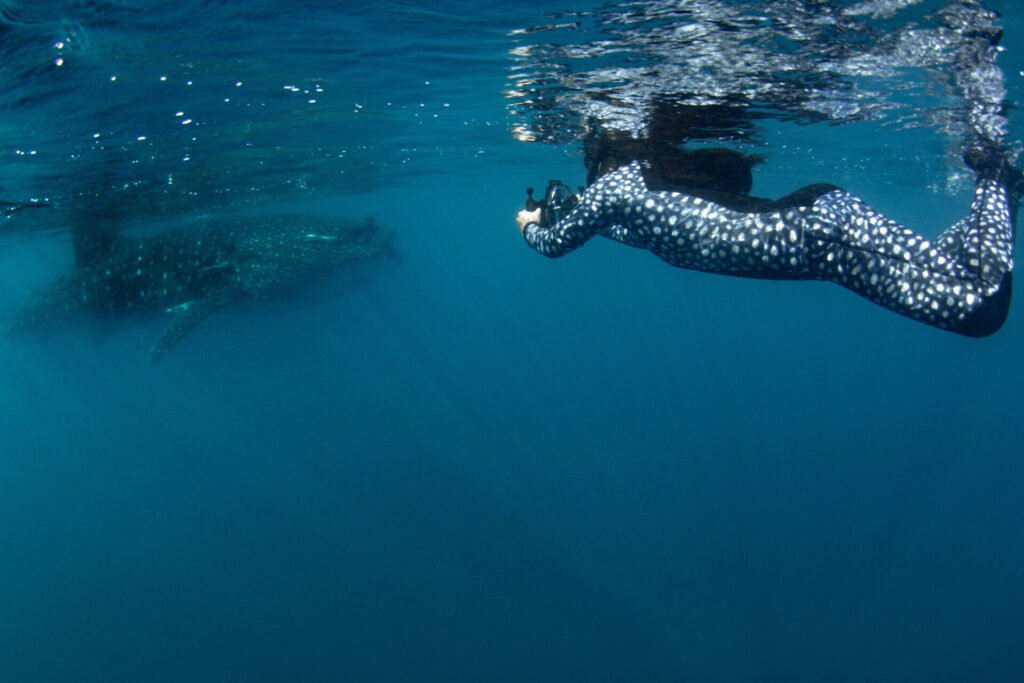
(186, 317)
(91, 243)
(96, 221)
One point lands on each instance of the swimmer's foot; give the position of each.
(985, 159)
(988, 163)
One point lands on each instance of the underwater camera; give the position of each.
(558, 201)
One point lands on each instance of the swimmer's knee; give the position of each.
(988, 317)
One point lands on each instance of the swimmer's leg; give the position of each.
(961, 283)
(982, 244)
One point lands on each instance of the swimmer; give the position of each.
(961, 282)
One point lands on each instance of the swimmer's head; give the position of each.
(666, 166)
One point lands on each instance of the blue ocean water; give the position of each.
(480, 464)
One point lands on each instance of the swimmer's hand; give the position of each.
(525, 217)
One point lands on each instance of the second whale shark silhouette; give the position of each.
(192, 272)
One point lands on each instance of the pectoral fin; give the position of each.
(187, 316)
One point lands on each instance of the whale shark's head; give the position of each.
(292, 248)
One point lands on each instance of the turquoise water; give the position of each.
(481, 464)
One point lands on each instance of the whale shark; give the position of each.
(191, 272)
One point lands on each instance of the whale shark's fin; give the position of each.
(363, 234)
(96, 220)
(186, 317)
(91, 243)
(389, 249)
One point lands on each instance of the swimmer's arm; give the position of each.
(600, 209)
(582, 223)
(524, 218)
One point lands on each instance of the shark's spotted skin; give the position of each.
(960, 282)
(192, 272)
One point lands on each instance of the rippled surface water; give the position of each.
(481, 464)
(221, 103)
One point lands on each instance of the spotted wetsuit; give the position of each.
(961, 282)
